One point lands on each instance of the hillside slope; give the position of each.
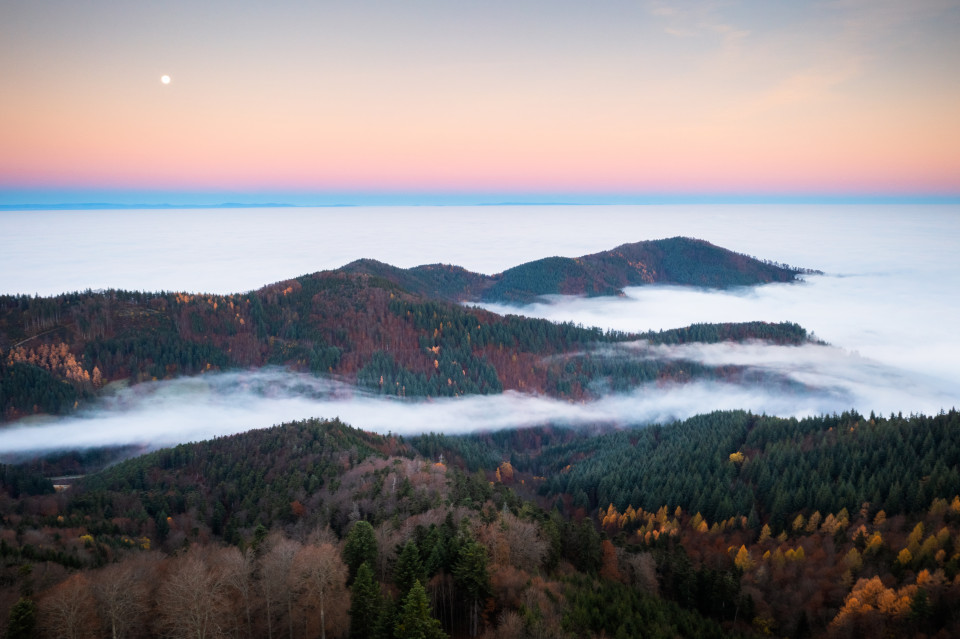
(725, 524)
(390, 330)
(678, 261)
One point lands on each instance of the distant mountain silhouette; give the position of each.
(679, 260)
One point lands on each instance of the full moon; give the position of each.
(165, 79)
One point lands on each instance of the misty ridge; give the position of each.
(884, 350)
(383, 328)
(787, 381)
(229, 251)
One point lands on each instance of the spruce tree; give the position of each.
(415, 620)
(364, 604)
(360, 547)
(409, 568)
(471, 576)
(23, 619)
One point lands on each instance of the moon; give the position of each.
(165, 79)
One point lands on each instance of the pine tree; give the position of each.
(360, 547)
(364, 604)
(23, 619)
(409, 568)
(415, 620)
(470, 573)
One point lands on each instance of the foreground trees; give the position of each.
(479, 551)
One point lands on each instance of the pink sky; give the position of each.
(854, 96)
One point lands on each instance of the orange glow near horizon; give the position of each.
(761, 108)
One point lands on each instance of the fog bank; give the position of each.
(887, 305)
(898, 321)
(156, 414)
(236, 250)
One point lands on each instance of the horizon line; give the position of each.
(442, 200)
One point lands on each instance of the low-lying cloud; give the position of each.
(887, 305)
(163, 413)
(892, 319)
(867, 384)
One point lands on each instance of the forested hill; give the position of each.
(57, 351)
(722, 525)
(679, 261)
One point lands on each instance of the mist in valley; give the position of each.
(789, 381)
(885, 306)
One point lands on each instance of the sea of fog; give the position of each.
(887, 305)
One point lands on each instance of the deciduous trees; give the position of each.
(319, 575)
(192, 600)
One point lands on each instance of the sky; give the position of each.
(464, 101)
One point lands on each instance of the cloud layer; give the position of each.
(154, 414)
(887, 306)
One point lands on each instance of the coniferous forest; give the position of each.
(725, 524)
(393, 335)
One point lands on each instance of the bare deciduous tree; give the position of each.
(641, 571)
(68, 610)
(527, 546)
(319, 575)
(192, 600)
(275, 566)
(121, 593)
(237, 567)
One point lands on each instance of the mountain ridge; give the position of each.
(391, 330)
(677, 261)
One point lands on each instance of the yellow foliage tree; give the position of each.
(874, 545)
(871, 594)
(764, 533)
(829, 525)
(853, 560)
(880, 518)
(942, 536)
(927, 579)
(929, 547)
(797, 554)
(938, 507)
(743, 560)
(913, 540)
(904, 557)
